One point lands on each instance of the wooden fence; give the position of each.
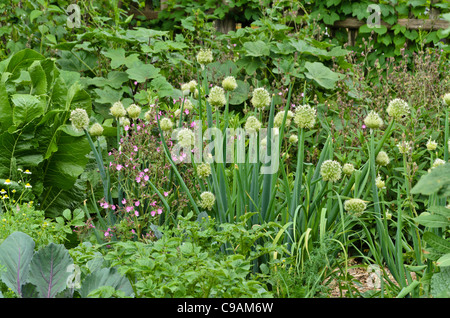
(351, 24)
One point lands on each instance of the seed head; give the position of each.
(437, 162)
(348, 169)
(207, 200)
(431, 144)
(373, 120)
(305, 116)
(398, 109)
(204, 170)
(96, 130)
(117, 110)
(278, 119)
(261, 98)
(356, 206)
(133, 111)
(79, 119)
(382, 159)
(204, 57)
(331, 170)
(447, 99)
(229, 83)
(166, 124)
(252, 124)
(185, 137)
(217, 96)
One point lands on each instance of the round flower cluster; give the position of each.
(96, 130)
(431, 145)
(278, 119)
(204, 170)
(133, 111)
(380, 183)
(187, 104)
(305, 116)
(357, 206)
(229, 83)
(204, 57)
(190, 87)
(217, 96)
(293, 139)
(252, 124)
(331, 170)
(382, 159)
(79, 119)
(373, 120)
(404, 147)
(260, 98)
(117, 110)
(207, 200)
(447, 99)
(166, 124)
(185, 137)
(348, 169)
(398, 108)
(437, 162)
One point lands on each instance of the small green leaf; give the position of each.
(67, 214)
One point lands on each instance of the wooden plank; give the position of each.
(412, 24)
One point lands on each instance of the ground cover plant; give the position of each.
(150, 159)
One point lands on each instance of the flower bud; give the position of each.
(96, 130)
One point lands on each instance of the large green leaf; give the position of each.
(257, 48)
(26, 108)
(49, 270)
(6, 111)
(440, 283)
(321, 74)
(38, 78)
(18, 148)
(436, 181)
(105, 277)
(22, 59)
(68, 162)
(142, 72)
(16, 253)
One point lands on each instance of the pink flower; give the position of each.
(153, 213)
(159, 211)
(136, 213)
(129, 209)
(124, 201)
(363, 126)
(135, 148)
(126, 128)
(113, 207)
(153, 203)
(138, 179)
(166, 194)
(132, 231)
(137, 203)
(119, 167)
(146, 178)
